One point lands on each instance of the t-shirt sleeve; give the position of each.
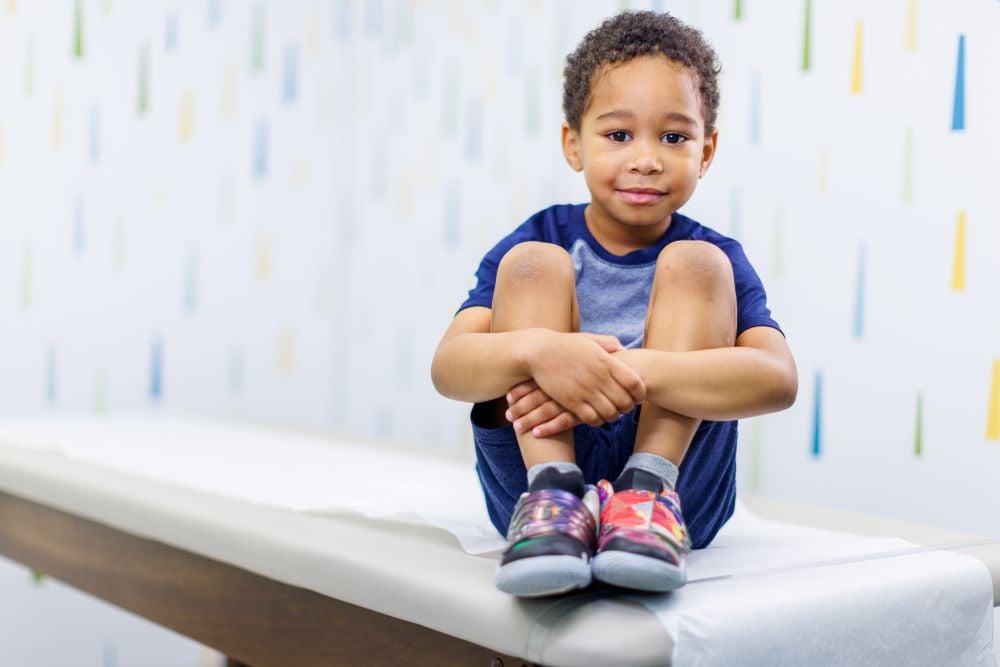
(486, 275)
(751, 299)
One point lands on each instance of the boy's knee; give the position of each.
(695, 263)
(533, 260)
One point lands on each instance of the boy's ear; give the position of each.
(708, 152)
(571, 147)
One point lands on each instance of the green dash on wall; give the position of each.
(856, 64)
(910, 27)
(859, 296)
(156, 369)
(817, 421)
(29, 67)
(807, 38)
(37, 577)
(106, 7)
(958, 263)
(143, 93)
(993, 411)
(258, 37)
(737, 10)
(101, 391)
(78, 30)
(50, 374)
(958, 107)
(918, 431)
(908, 166)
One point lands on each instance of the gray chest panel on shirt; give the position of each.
(613, 298)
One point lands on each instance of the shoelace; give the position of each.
(551, 511)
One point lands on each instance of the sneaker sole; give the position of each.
(538, 576)
(638, 572)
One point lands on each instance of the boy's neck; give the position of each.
(621, 239)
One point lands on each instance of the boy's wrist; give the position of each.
(528, 349)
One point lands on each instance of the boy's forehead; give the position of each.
(649, 81)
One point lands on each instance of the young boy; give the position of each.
(617, 340)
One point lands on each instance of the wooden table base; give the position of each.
(252, 619)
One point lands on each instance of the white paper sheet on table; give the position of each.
(759, 595)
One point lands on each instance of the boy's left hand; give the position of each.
(531, 409)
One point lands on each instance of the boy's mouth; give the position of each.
(640, 195)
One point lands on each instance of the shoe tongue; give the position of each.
(550, 478)
(636, 478)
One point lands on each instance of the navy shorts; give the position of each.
(601, 453)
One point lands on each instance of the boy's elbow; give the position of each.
(787, 388)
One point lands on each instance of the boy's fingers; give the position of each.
(630, 381)
(609, 343)
(521, 390)
(539, 415)
(605, 409)
(588, 415)
(526, 404)
(561, 422)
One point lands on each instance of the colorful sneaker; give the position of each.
(643, 540)
(551, 540)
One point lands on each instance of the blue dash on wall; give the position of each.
(817, 415)
(290, 78)
(342, 20)
(859, 298)
(214, 12)
(958, 109)
(170, 31)
(156, 370)
(260, 150)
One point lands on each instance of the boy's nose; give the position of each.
(645, 161)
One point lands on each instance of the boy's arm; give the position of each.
(755, 377)
(473, 365)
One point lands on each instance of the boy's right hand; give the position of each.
(578, 371)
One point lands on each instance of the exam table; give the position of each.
(268, 585)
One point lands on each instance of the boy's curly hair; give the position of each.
(631, 34)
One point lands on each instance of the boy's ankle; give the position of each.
(556, 475)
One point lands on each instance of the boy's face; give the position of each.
(642, 144)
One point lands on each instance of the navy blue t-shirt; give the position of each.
(613, 294)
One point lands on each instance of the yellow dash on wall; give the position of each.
(187, 116)
(993, 414)
(286, 350)
(11, 6)
(263, 264)
(856, 69)
(910, 26)
(57, 121)
(958, 267)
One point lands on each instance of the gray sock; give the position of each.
(561, 466)
(657, 465)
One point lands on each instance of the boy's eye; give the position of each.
(618, 136)
(673, 138)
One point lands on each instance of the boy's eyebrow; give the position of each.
(622, 114)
